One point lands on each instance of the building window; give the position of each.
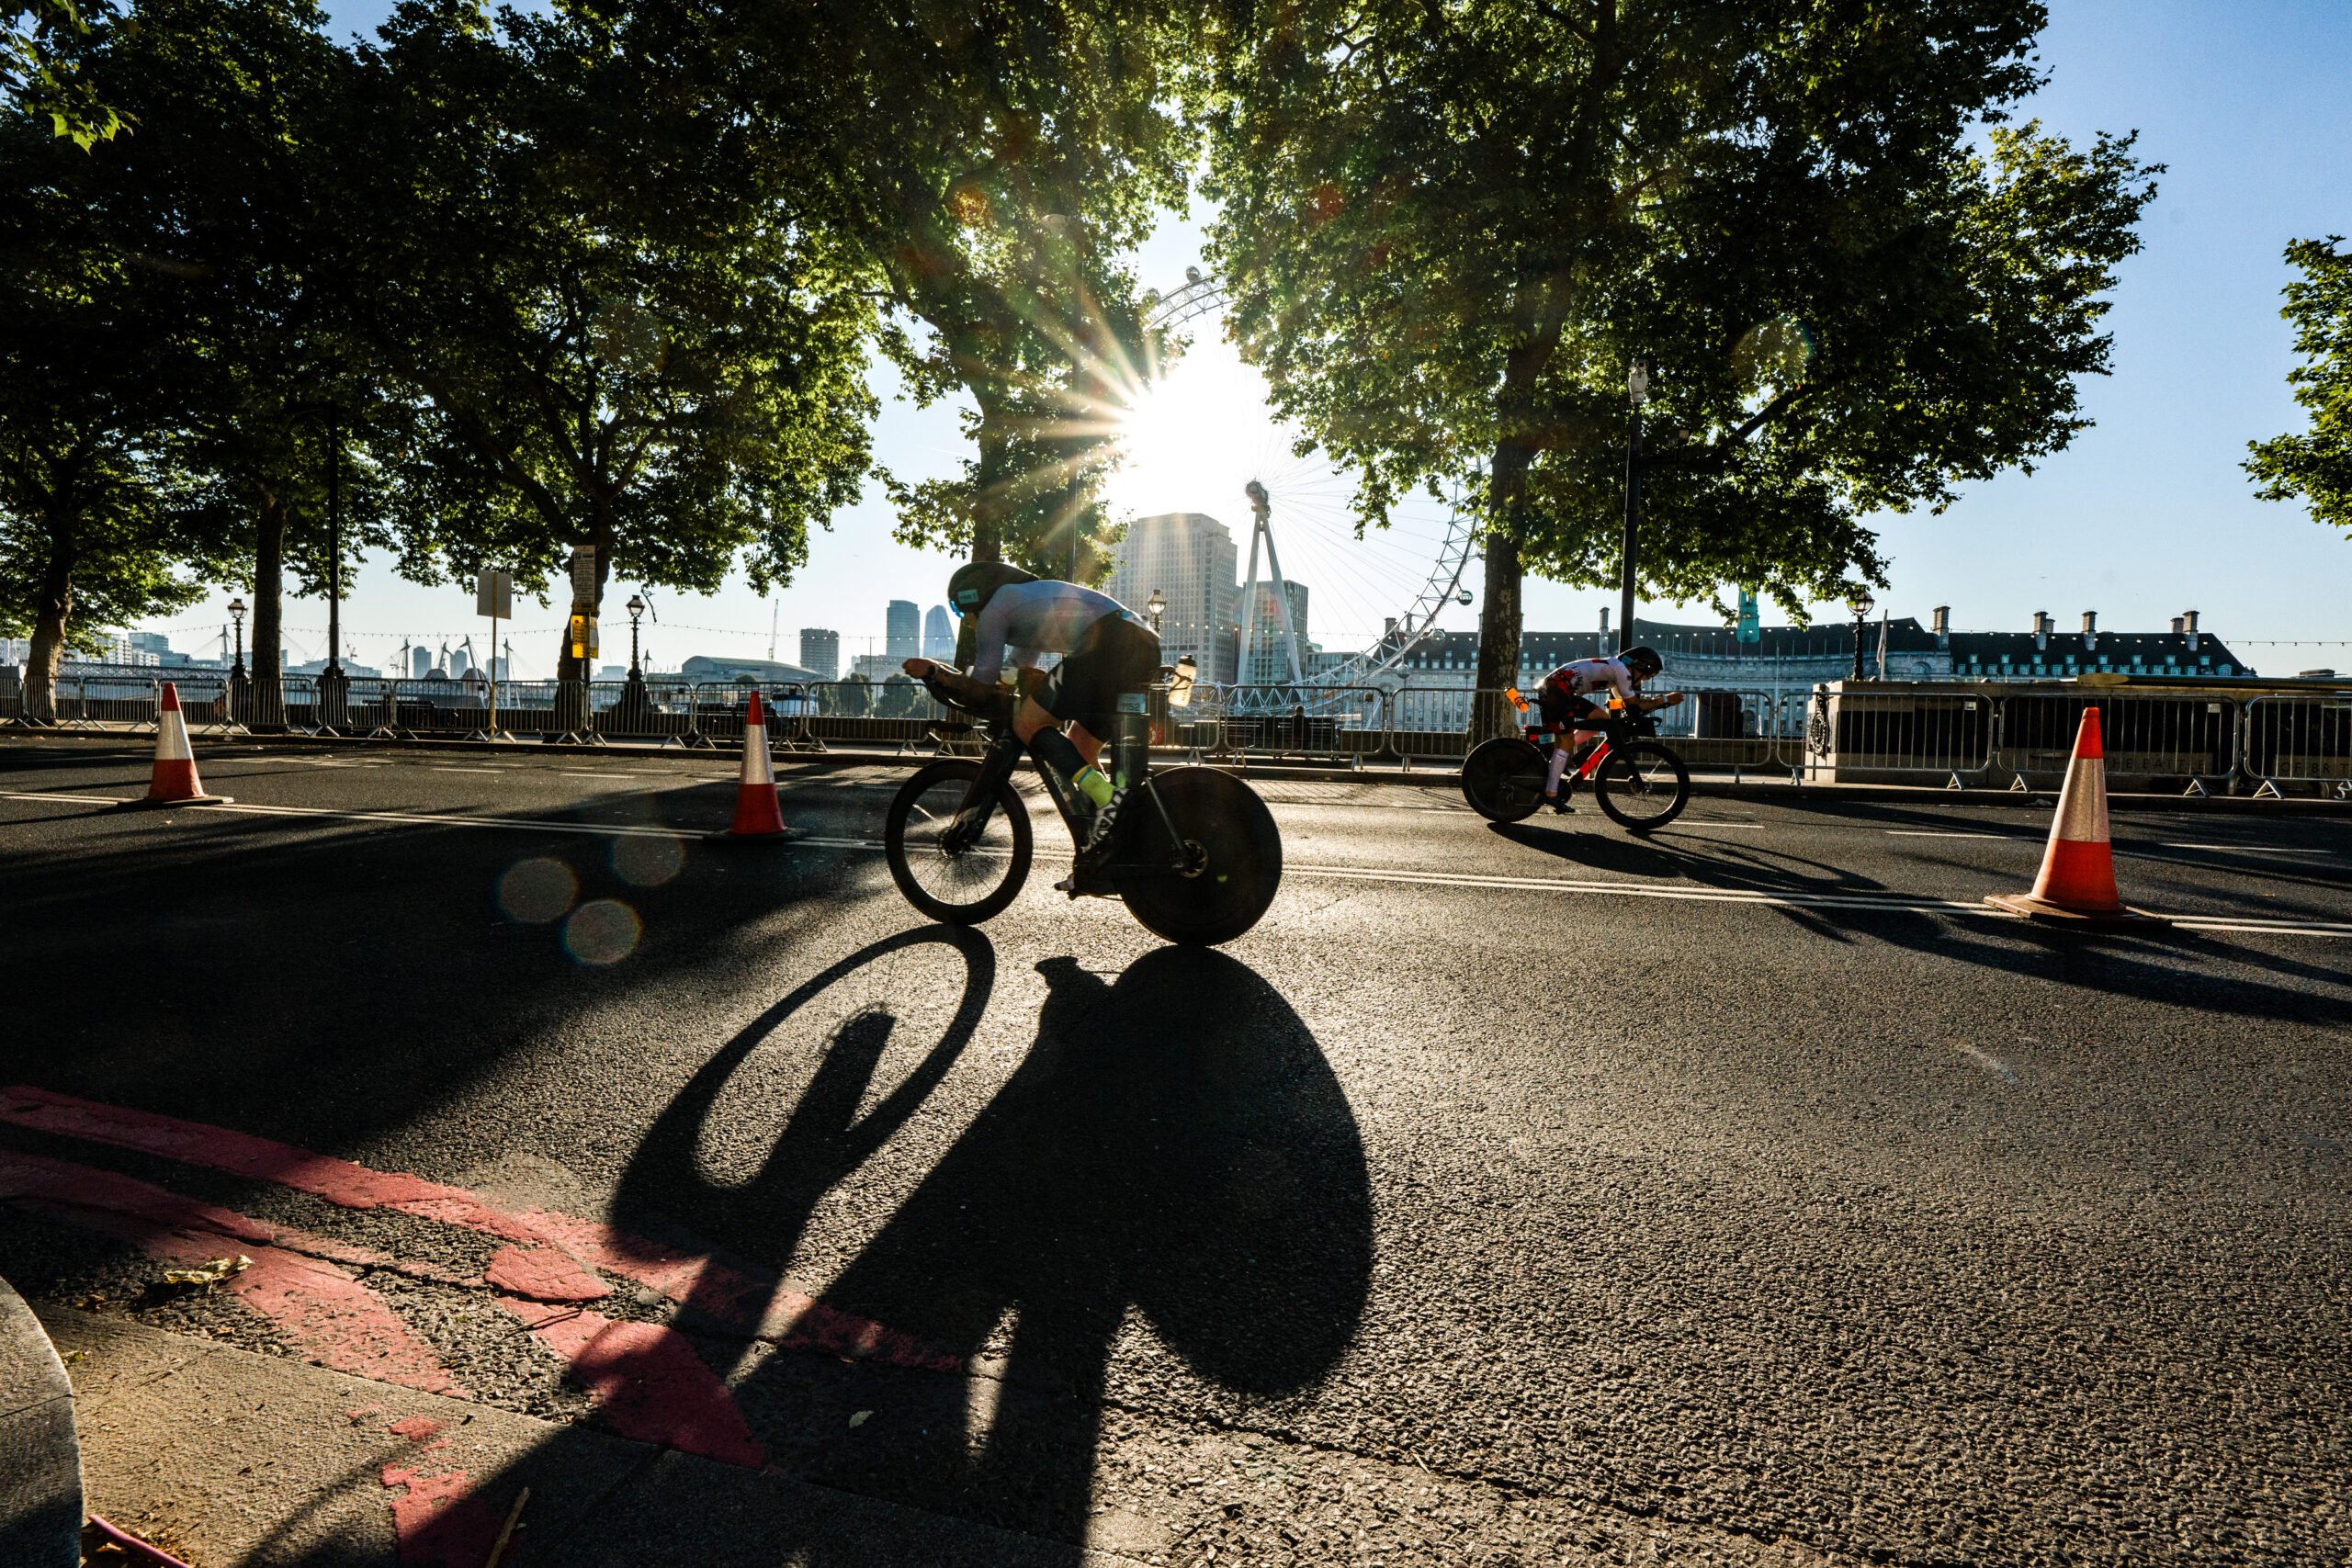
(2223, 670)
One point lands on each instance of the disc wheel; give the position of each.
(1641, 787)
(1503, 779)
(958, 879)
(1232, 859)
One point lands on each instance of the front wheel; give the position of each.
(1641, 785)
(1220, 880)
(956, 869)
(1503, 779)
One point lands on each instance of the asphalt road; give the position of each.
(1747, 1194)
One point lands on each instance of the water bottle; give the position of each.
(1180, 690)
(1133, 748)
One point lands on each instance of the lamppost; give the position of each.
(1860, 602)
(1637, 392)
(1153, 608)
(635, 608)
(237, 614)
(332, 710)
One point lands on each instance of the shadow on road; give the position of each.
(1173, 1142)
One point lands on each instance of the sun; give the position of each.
(1195, 436)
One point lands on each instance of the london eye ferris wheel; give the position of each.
(1200, 438)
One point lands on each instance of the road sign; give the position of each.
(583, 578)
(1751, 627)
(494, 595)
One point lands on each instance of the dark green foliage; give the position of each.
(615, 327)
(2316, 466)
(1448, 230)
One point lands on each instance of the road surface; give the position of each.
(1749, 1194)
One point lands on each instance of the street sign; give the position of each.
(1751, 627)
(583, 578)
(494, 595)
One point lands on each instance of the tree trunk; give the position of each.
(585, 669)
(270, 616)
(52, 612)
(1498, 615)
(988, 500)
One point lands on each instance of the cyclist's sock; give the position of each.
(1559, 766)
(1053, 749)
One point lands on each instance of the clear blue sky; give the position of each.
(2146, 515)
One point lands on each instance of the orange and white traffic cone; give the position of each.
(174, 781)
(2077, 880)
(759, 818)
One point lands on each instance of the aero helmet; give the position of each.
(976, 582)
(1642, 661)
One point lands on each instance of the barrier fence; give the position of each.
(2006, 736)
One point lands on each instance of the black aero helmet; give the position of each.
(1642, 661)
(976, 582)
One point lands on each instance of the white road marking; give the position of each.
(444, 768)
(1893, 903)
(1931, 833)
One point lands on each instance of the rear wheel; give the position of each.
(1641, 785)
(960, 876)
(1503, 779)
(1230, 864)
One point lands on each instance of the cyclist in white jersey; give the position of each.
(1107, 651)
(1565, 703)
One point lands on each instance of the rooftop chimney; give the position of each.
(2179, 625)
(1604, 620)
(2188, 627)
(2090, 629)
(2041, 629)
(1943, 626)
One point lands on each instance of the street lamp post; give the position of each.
(1860, 604)
(1637, 392)
(237, 614)
(332, 710)
(634, 699)
(1153, 608)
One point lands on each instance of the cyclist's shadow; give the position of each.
(1174, 1142)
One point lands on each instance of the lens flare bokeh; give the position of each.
(538, 890)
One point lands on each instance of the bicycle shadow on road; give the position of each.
(1739, 865)
(1175, 1144)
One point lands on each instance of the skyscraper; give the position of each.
(1269, 662)
(1188, 559)
(820, 650)
(903, 630)
(419, 661)
(938, 634)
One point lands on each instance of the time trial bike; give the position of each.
(1195, 856)
(1640, 784)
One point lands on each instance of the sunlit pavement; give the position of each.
(1750, 1194)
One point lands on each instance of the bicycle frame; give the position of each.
(1003, 755)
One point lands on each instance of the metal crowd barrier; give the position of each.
(2300, 739)
(1884, 734)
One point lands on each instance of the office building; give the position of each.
(902, 627)
(821, 652)
(938, 634)
(420, 661)
(1269, 652)
(1188, 559)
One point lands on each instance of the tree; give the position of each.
(93, 500)
(242, 110)
(851, 697)
(615, 328)
(2317, 465)
(1448, 230)
(40, 70)
(986, 165)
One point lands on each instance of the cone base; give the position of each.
(730, 835)
(2035, 909)
(145, 802)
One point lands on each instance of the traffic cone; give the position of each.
(174, 781)
(758, 817)
(2077, 880)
